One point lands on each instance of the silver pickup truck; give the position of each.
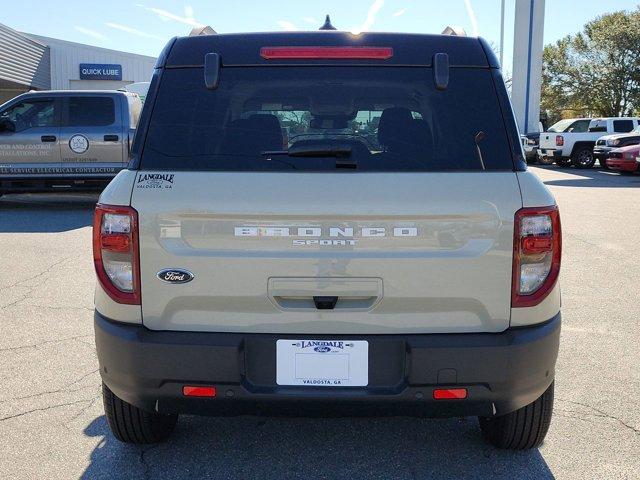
(65, 139)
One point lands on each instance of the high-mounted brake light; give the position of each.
(537, 247)
(115, 252)
(309, 53)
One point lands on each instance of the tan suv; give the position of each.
(385, 258)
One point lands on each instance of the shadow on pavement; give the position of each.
(43, 213)
(286, 448)
(592, 178)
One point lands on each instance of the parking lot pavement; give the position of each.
(52, 423)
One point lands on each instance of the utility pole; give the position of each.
(502, 34)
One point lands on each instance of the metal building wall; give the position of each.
(67, 56)
(24, 62)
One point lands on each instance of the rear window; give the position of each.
(90, 112)
(376, 118)
(570, 126)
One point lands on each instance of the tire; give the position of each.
(563, 162)
(583, 157)
(523, 429)
(129, 424)
(603, 164)
(545, 160)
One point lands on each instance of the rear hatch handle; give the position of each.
(328, 293)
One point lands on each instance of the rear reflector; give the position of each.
(450, 393)
(293, 53)
(198, 391)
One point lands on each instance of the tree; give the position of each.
(595, 72)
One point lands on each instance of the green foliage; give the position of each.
(595, 72)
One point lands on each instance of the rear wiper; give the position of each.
(311, 151)
(480, 136)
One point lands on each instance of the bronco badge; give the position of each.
(175, 275)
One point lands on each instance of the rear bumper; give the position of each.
(502, 372)
(550, 152)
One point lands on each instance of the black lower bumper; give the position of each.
(501, 371)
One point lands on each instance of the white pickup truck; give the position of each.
(571, 141)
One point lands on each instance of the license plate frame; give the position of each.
(322, 363)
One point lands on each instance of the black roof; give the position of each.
(408, 49)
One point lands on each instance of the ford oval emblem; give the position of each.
(175, 275)
(322, 349)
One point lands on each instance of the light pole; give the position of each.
(501, 32)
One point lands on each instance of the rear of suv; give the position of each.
(377, 258)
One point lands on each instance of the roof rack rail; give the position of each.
(454, 30)
(203, 30)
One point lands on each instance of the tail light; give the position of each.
(309, 53)
(537, 249)
(115, 252)
(559, 140)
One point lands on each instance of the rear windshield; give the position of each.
(570, 126)
(325, 118)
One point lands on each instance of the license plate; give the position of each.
(322, 363)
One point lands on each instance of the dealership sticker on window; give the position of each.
(79, 144)
(155, 180)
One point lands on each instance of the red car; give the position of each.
(624, 159)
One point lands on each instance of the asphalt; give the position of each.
(52, 423)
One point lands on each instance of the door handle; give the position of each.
(48, 138)
(111, 138)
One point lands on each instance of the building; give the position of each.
(32, 62)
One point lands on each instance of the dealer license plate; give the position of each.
(322, 363)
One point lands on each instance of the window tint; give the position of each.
(622, 126)
(386, 119)
(30, 114)
(90, 111)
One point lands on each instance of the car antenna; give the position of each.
(327, 25)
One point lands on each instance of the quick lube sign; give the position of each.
(100, 71)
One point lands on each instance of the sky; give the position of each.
(144, 26)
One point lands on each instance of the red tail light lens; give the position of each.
(559, 140)
(115, 252)
(198, 391)
(450, 394)
(309, 53)
(537, 249)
